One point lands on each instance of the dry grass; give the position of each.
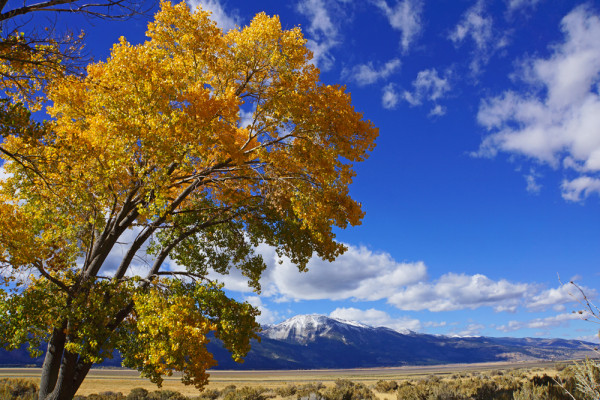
(122, 380)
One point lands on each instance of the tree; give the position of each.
(30, 57)
(201, 146)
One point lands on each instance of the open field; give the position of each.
(123, 380)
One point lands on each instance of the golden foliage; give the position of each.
(206, 144)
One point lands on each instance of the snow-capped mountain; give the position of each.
(307, 328)
(317, 341)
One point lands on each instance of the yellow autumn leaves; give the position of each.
(206, 144)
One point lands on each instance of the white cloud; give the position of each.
(532, 182)
(588, 338)
(429, 86)
(363, 275)
(405, 16)
(558, 125)
(557, 297)
(323, 30)
(437, 111)
(580, 188)
(366, 74)
(141, 263)
(377, 318)
(390, 97)
(435, 324)
(460, 291)
(470, 330)
(224, 20)
(357, 274)
(520, 4)
(541, 323)
(266, 316)
(477, 26)
(3, 174)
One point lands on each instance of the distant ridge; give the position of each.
(319, 342)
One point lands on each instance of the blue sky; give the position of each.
(484, 186)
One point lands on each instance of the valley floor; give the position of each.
(123, 380)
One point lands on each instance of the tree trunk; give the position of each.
(62, 371)
(70, 376)
(52, 361)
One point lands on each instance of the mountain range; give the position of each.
(319, 342)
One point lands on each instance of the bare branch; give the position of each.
(129, 8)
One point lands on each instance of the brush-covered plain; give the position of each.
(522, 381)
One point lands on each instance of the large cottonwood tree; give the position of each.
(199, 145)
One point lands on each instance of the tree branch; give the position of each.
(83, 8)
(52, 279)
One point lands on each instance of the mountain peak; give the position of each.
(307, 328)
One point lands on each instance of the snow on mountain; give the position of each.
(307, 328)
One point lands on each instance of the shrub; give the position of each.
(137, 394)
(386, 386)
(287, 390)
(530, 391)
(587, 378)
(228, 389)
(409, 391)
(166, 395)
(310, 391)
(348, 390)
(209, 394)
(21, 389)
(444, 392)
(108, 395)
(247, 393)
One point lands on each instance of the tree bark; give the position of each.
(64, 387)
(62, 371)
(52, 362)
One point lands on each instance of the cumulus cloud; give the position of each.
(225, 20)
(390, 96)
(377, 318)
(266, 316)
(559, 124)
(580, 188)
(477, 27)
(437, 111)
(363, 275)
(405, 16)
(324, 33)
(558, 297)
(366, 74)
(459, 291)
(541, 323)
(141, 263)
(357, 274)
(428, 86)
